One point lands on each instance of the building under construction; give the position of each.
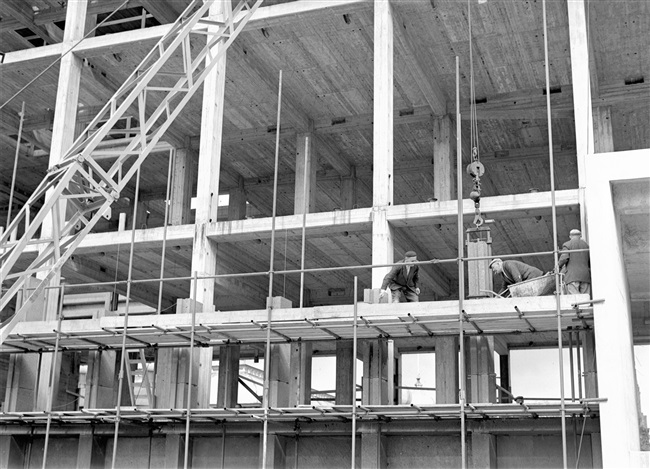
(200, 200)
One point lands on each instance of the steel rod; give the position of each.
(305, 205)
(555, 244)
(571, 369)
(461, 270)
(123, 360)
(50, 396)
(267, 358)
(354, 377)
(170, 175)
(579, 360)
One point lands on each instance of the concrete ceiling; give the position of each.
(327, 64)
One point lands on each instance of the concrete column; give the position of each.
(483, 447)
(305, 187)
(344, 371)
(375, 372)
(237, 201)
(373, 450)
(581, 82)
(63, 133)
(443, 155)
(228, 375)
(101, 383)
(479, 364)
(204, 251)
(349, 190)
(172, 372)
(276, 451)
(181, 189)
(612, 318)
(279, 362)
(90, 451)
(382, 188)
(300, 374)
(446, 369)
(174, 450)
(589, 367)
(11, 452)
(204, 254)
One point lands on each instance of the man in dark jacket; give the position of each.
(514, 271)
(577, 277)
(403, 279)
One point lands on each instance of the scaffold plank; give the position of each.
(481, 317)
(305, 412)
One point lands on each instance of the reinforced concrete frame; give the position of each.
(133, 336)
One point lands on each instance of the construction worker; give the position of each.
(403, 280)
(577, 272)
(514, 271)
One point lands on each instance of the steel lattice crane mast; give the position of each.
(156, 92)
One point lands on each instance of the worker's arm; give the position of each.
(564, 258)
(390, 276)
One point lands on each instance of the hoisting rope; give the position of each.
(475, 167)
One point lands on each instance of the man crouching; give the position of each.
(403, 279)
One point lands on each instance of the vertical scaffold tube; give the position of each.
(190, 359)
(354, 378)
(269, 317)
(129, 284)
(304, 222)
(50, 395)
(461, 272)
(555, 247)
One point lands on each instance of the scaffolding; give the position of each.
(204, 329)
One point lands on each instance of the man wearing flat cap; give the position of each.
(514, 271)
(577, 274)
(403, 279)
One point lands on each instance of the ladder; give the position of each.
(156, 92)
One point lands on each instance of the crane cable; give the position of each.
(475, 167)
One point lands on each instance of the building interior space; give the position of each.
(201, 202)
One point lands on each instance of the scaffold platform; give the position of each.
(303, 413)
(483, 316)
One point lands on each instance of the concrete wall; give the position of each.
(324, 452)
(61, 453)
(423, 451)
(542, 451)
(319, 451)
(136, 452)
(241, 451)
